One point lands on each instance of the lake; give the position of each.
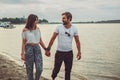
(100, 47)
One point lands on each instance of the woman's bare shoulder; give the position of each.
(25, 29)
(37, 28)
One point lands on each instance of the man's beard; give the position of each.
(65, 23)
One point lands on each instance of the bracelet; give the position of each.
(48, 48)
(45, 49)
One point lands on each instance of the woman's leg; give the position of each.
(29, 55)
(38, 62)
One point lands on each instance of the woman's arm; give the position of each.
(23, 45)
(42, 44)
(23, 49)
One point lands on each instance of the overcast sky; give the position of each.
(82, 10)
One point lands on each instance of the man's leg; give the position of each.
(68, 64)
(57, 64)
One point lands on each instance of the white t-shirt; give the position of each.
(65, 37)
(32, 36)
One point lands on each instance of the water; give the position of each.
(100, 47)
(100, 51)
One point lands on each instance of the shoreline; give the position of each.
(10, 70)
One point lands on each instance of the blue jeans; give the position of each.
(33, 55)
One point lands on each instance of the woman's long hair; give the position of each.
(30, 21)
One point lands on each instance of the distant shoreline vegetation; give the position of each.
(45, 21)
(21, 20)
(104, 21)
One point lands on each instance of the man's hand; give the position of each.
(79, 56)
(47, 53)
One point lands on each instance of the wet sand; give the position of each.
(9, 70)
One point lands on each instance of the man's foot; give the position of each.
(53, 78)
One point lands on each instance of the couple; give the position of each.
(31, 52)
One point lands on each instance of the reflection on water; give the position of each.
(100, 45)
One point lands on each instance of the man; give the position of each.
(65, 33)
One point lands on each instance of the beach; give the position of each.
(9, 70)
(100, 47)
(10, 50)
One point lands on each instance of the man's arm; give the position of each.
(78, 47)
(52, 39)
(51, 43)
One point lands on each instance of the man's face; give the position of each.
(65, 20)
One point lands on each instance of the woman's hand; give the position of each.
(23, 56)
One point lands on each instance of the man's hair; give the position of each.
(68, 14)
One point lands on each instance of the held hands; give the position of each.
(47, 51)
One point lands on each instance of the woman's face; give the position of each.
(36, 21)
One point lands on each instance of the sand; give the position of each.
(9, 70)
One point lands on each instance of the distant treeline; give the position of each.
(105, 21)
(45, 21)
(20, 20)
(109, 21)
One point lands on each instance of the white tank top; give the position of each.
(32, 36)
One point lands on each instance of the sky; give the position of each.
(82, 10)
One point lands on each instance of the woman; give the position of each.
(31, 52)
